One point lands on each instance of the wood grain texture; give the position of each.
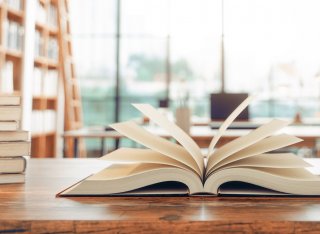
(33, 208)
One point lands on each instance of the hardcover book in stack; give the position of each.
(14, 143)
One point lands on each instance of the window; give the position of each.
(93, 29)
(168, 49)
(275, 44)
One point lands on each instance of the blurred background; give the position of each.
(144, 51)
(79, 64)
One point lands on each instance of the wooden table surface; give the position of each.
(33, 208)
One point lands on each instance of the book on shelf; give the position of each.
(41, 14)
(14, 148)
(45, 83)
(14, 35)
(49, 120)
(44, 121)
(52, 51)
(37, 38)
(6, 81)
(50, 84)
(52, 16)
(37, 82)
(15, 4)
(12, 165)
(250, 160)
(37, 123)
(39, 44)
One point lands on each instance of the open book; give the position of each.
(245, 159)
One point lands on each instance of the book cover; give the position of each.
(9, 100)
(12, 178)
(9, 125)
(14, 148)
(14, 136)
(10, 113)
(12, 165)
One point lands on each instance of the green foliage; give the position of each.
(182, 70)
(147, 68)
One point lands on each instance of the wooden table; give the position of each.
(33, 208)
(201, 134)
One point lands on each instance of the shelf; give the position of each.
(43, 27)
(13, 54)
(55, 2)
(43, 2)
(45, 62)
(45, 98)
(52, 64)
(46, 108)
(16, 15)
(40, 61)
(43, 134)
(44, 103)
(53, 31)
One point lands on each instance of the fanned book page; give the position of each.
(249, 159)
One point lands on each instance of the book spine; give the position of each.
(50, 84)
(12, 165)
(12, 178)
(14, 149)
(14, 35)
(14, 136)
(10, 113)
(9, 100)
(8, 126)
(37, 82)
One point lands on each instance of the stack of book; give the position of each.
(14, 143)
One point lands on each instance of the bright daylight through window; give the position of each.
(130, 51)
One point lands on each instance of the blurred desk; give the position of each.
(202, 135)
(90, 132)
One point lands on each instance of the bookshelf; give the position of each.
(46, 79)
(12, 19)
(31, 65)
